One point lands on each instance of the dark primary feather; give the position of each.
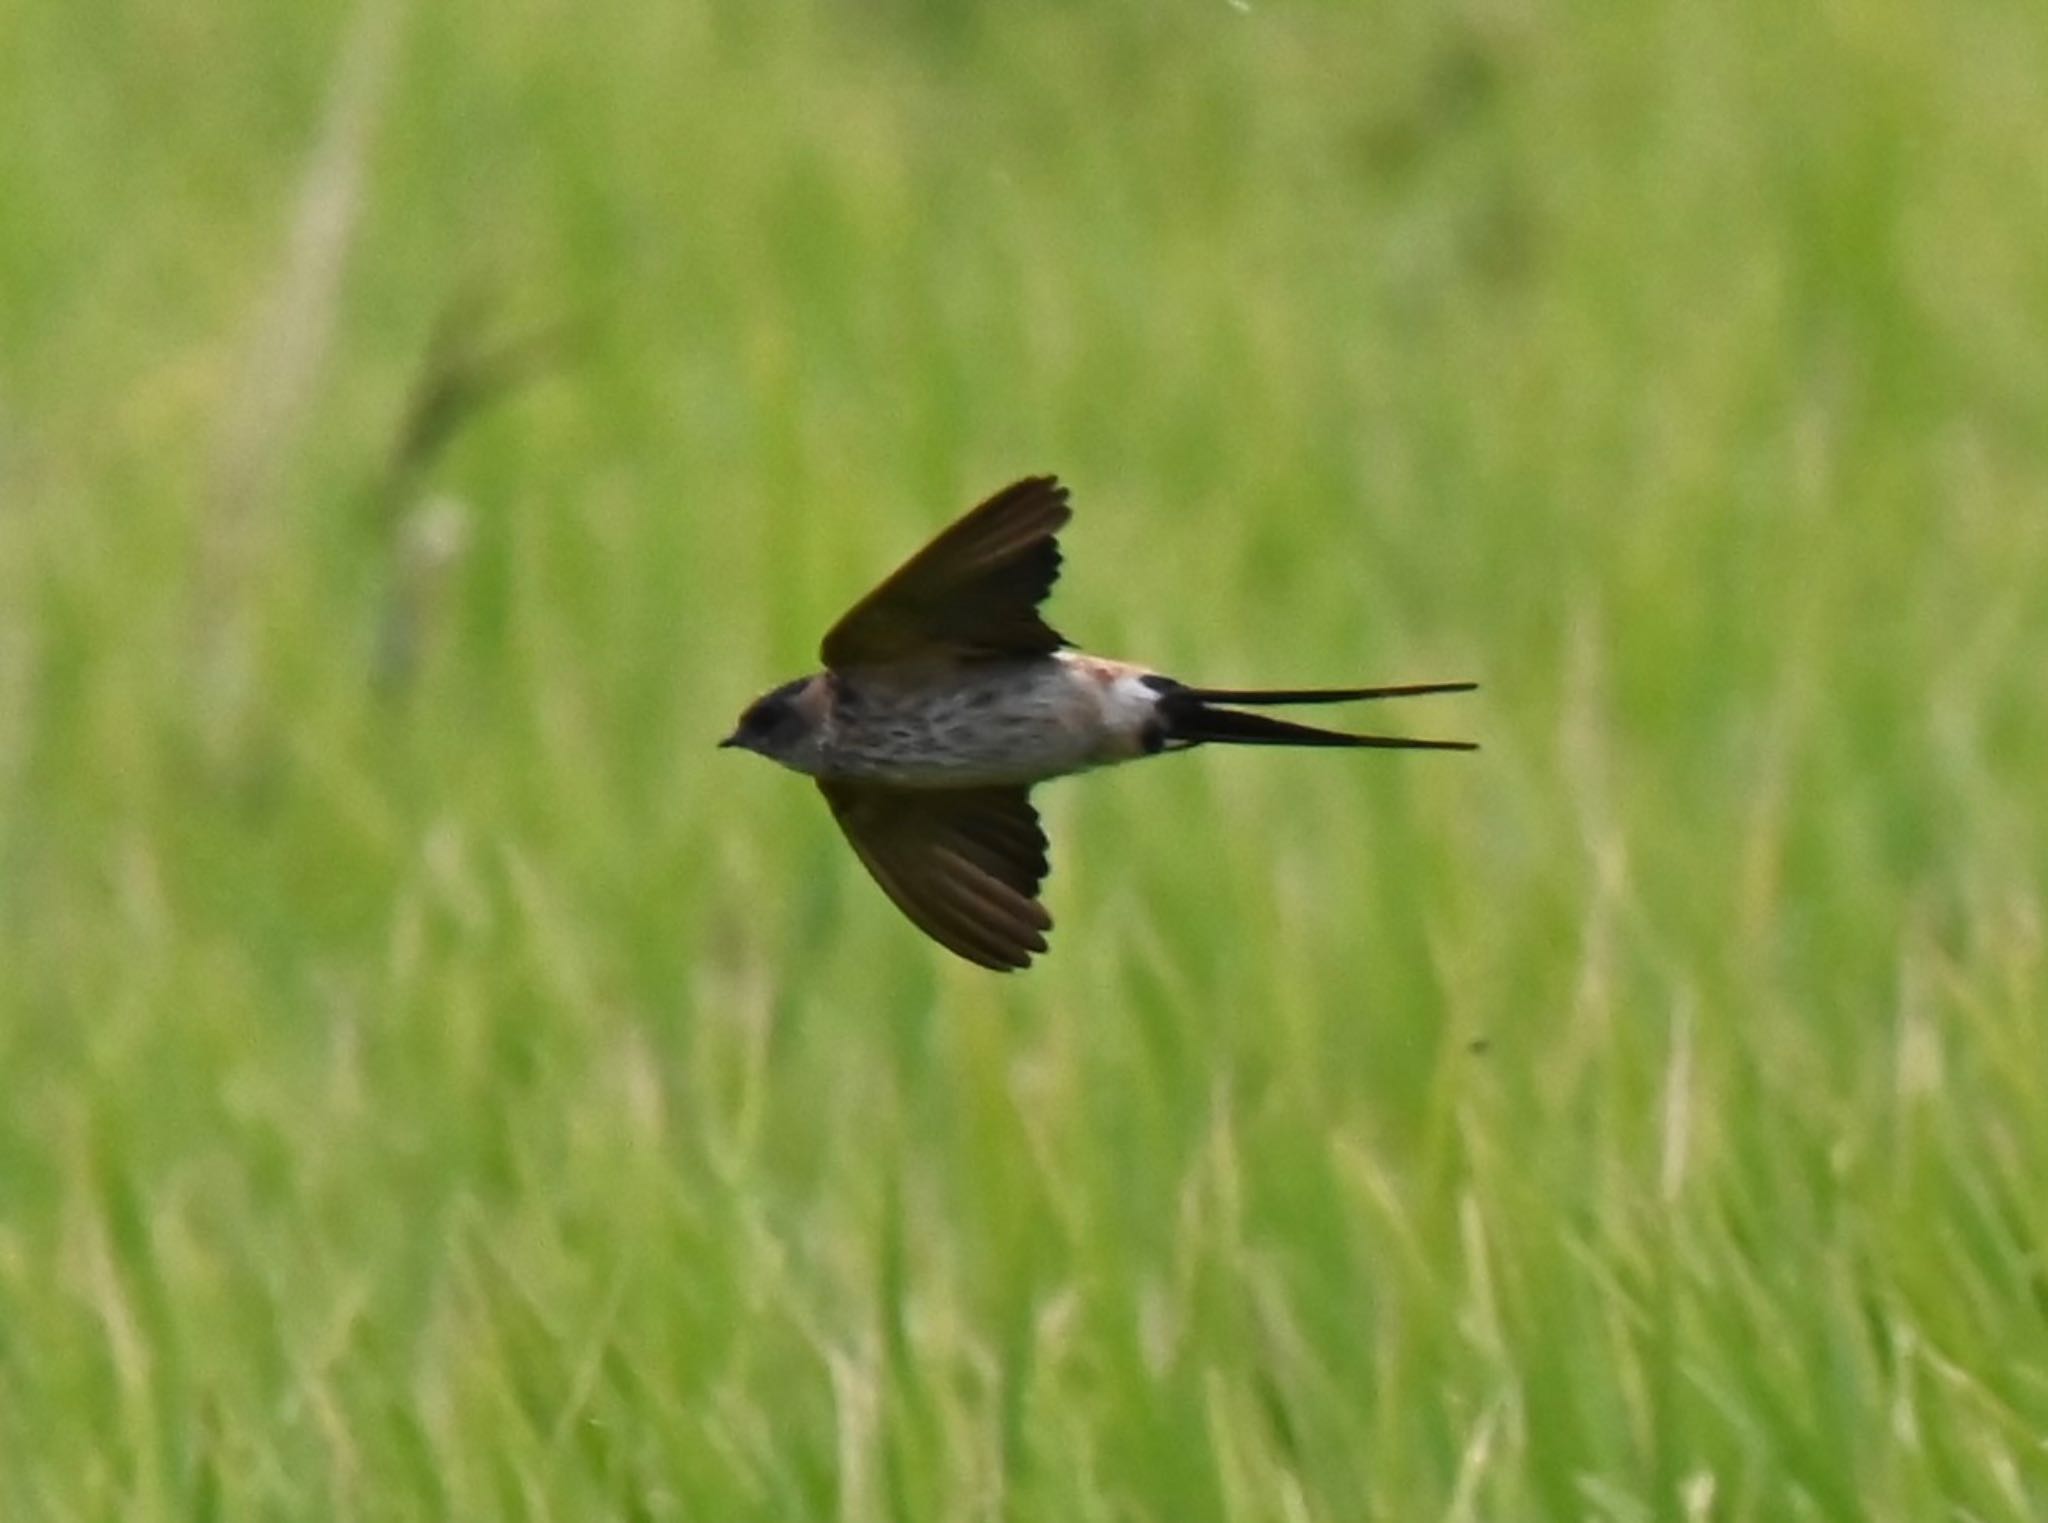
(972, 592)
(964, 864)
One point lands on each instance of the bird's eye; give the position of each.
(771, 712)
(762, 719)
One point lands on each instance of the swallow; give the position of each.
(946, 697)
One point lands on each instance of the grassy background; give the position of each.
(437, 1085)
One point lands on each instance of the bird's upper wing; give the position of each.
(973, 592)
(963, 863)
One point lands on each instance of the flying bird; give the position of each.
(946, 696)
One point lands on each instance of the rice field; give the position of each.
(440, 1085)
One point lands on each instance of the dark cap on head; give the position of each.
(773, 713)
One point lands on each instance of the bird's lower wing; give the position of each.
(964, 864)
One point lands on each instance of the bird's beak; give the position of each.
(730, 740)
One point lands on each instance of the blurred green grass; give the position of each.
(467, 1095)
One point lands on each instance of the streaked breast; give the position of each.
(1010, 722)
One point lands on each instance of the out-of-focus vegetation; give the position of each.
(438, 1085)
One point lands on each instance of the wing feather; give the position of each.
(963, 864)
(972, 592)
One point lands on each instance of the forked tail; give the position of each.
(1193, 716)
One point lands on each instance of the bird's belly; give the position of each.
(1003, 726)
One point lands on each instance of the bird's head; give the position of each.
(782, 724)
